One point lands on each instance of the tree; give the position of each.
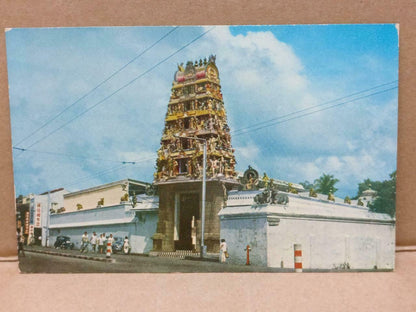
(325, 184)
(368, 184)
(385, 201)
(306, 185)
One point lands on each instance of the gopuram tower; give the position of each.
(195, 115)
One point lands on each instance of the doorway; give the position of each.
(188, 216)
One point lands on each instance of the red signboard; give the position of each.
(27, 222)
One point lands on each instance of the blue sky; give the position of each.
(266, 72)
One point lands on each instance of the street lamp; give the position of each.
(204, 166)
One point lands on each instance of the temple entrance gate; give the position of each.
(186, 217)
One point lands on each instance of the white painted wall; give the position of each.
(240, 232)
(140, 225)
(329, 244)
(331, 234)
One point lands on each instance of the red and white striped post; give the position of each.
(298, 257)
(108, 254)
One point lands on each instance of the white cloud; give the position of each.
(261, 77)
(248, 152)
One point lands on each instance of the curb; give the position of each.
(201, 259)
(111, 260)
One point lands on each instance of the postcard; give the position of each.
(268, 148)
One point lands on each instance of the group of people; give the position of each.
(98, 243)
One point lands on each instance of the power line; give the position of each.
(121, 88)
(312, 107)
(320, 110)
(97, 174)
(84, 157)
(96, 87)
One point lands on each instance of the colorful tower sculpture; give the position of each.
(196, 109)
(195, 113)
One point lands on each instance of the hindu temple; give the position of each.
(195, 116)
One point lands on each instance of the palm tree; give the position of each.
(326, 184)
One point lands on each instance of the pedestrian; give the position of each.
(101, 241)
(223, 251)
(93, 242)
(110, 240)
(20, 241)
(126, 245)
(84, 242)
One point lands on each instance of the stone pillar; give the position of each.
(163, 238)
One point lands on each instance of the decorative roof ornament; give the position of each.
(212, 58)
(180, 67)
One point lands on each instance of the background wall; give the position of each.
(140, 230)
(329, 244)
(111, 195)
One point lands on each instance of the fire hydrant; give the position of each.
(248, 254)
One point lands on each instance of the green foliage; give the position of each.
(385, 201)
(325, 184)
(367, 184)
(306, 185)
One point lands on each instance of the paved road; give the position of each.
(43, 263)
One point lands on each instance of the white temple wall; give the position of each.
(332, 235)
(329, 244)
(241, 232)
(117, 220)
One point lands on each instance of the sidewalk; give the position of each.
(69, 253)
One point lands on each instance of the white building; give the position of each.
(332, 234)
(39, 210)
(109, 208)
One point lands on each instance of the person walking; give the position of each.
(84, 242)
(110, 240)
(126, 246)
(223, 251)
(93, 242)
(20, 241)
(101, 241)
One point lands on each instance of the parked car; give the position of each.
(63, 242)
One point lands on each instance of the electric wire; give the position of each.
(84, 157)
(96, 87)
(124, 163)
(313, 112)
(261, 125)
(96, 174)
(122, 87)
(234, 132)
